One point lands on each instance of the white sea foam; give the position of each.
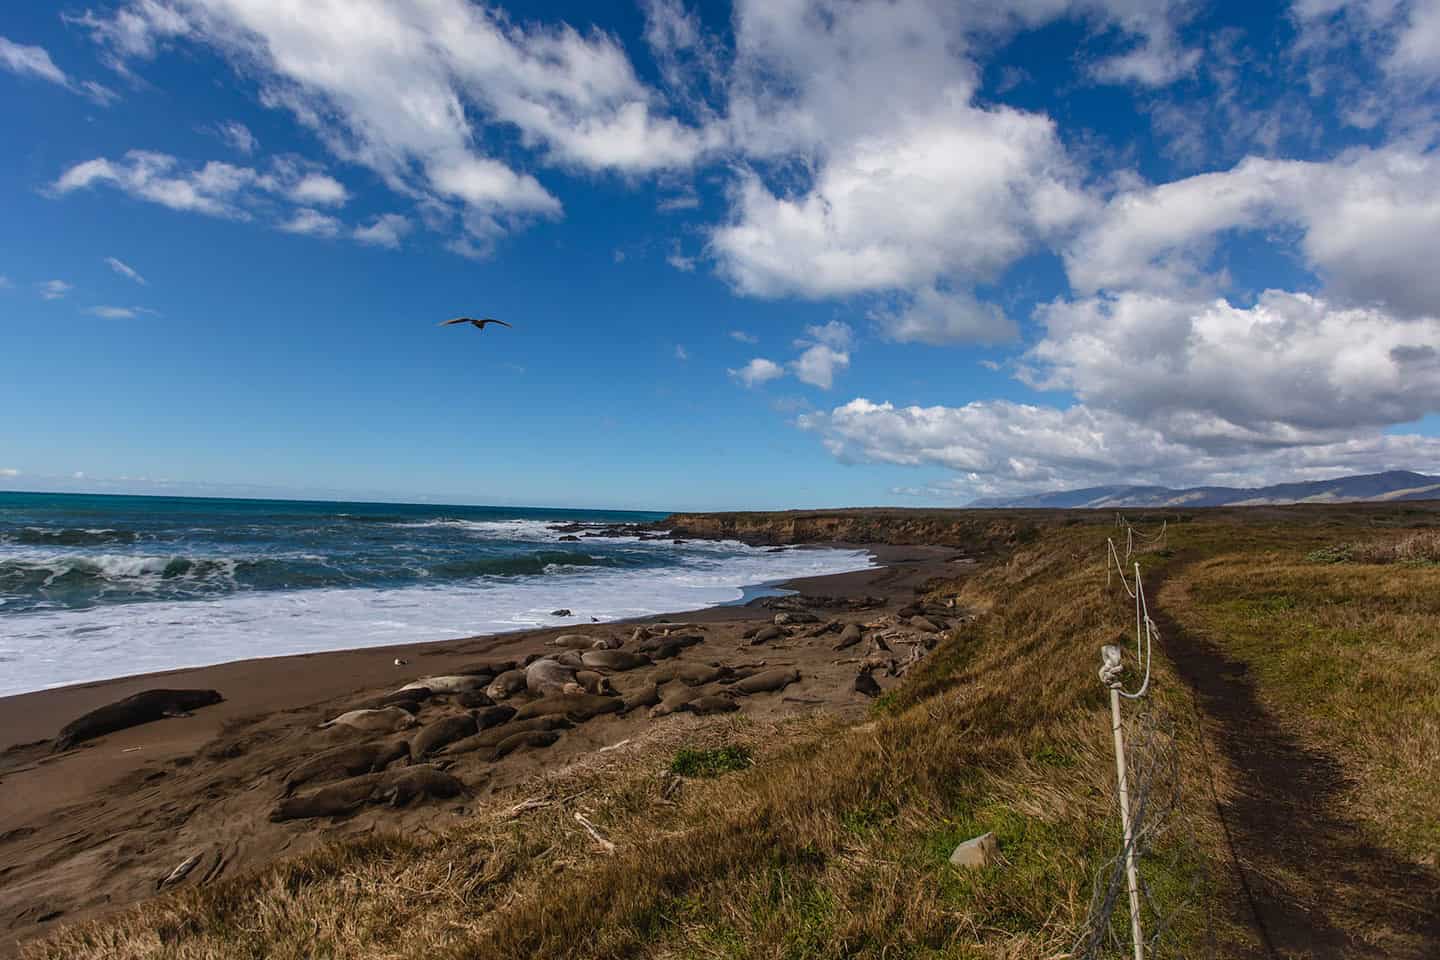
(49, 648)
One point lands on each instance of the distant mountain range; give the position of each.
(1391, 485)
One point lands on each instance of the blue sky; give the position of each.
(760, 255)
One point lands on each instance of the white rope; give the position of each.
(1145, 629)
(1115, 556)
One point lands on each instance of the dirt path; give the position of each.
(1315, 886)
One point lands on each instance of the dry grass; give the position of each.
(833, 842)
(1347, 655)
(1421, 546)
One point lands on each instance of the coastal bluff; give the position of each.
(973, 530)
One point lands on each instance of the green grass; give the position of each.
(692, 762)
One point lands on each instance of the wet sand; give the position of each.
(94, 828)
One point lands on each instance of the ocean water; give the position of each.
(93, 587)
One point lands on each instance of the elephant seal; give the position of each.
(575, 641)
(385, 720)
(347, 761)
(570, 658)
(578, 709)
(679, 641)
(769, 681)
(614, 659)
(665, 651)
(766, 634)
(531, 740)
(607, 643)
(639, 634)
(708, 704)
(850, 636)
(593, 682)
(435, 735)
(674, 699)
(925, 624)
(492, 667)
(452, 683)
(407, 700)
(396, 787)
(132, 711)
(692, 674)
(865, 684)
(506, 685)
(544, 678)
(493, 716)
(487, 739)
(474, 699)
(646, 696)
(795, 616)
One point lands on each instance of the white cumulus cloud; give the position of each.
(320, 190)
(310, 222)
(385, 230)
(758, 370)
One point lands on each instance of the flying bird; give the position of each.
(478, 324)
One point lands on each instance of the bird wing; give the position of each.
(493, 320)
(446, 323)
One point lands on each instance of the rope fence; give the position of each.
(1147, 773)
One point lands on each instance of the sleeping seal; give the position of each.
(766, 634)
(614, 659)
(646, 696)
(408, 700)
(396, 787)
(385, 720)
(708, 704)
(347, 761)
(850, 636)
(680, 642)
(769, 681)
(579, 709)
(489, 738)
(531, 740)
(674, 699)
(692, 674)
(435, 735)
(544, 678)
(506, 685)
(132, 711)
(453, 683)
(493, 716)
(575, 641)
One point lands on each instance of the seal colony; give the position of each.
(224, 780)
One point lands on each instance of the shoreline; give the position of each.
(88, 830)
(21, 723)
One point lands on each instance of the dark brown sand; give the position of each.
(96, 827)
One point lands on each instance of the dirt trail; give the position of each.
(1315, 886)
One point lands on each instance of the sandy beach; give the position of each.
(96, 827)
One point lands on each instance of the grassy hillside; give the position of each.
(820, 838)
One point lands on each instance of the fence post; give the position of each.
(1110, 675)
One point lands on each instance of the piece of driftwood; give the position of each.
(604, 844)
